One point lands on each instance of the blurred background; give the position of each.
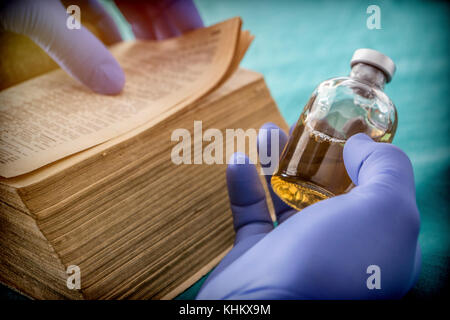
(298, 44)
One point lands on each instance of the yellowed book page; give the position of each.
(239, 79)
(52, 116)
(245, 39)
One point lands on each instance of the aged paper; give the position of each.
(51, 117)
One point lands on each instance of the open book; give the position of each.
(51, 117)
(87, 180)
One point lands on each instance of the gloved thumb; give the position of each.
(378, 165)
(77, 51)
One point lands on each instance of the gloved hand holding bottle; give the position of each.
(326, 250)
(346, 235)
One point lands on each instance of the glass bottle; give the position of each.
(311, 167)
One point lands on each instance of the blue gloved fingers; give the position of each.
(164, 28)
(139, 16)
(330, 250)
(384, 178)
(184, 15)
(247, 198)
(238, 250)
(265, 147)
(251, 217)
(158, 20)
(379, 164)
(77, 51)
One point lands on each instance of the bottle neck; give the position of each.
(371, 75)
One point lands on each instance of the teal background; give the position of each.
(298, 44)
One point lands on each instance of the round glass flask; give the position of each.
(311, 167)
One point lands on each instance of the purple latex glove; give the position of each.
(78, 51)
(323, 252)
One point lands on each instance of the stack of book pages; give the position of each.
(92, 186)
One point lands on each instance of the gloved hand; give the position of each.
(323, 252)
(78, 51)
(160, 19)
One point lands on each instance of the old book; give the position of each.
(105, 195)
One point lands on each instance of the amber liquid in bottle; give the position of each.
(312, 167)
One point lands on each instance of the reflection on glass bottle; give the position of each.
(311, 167)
